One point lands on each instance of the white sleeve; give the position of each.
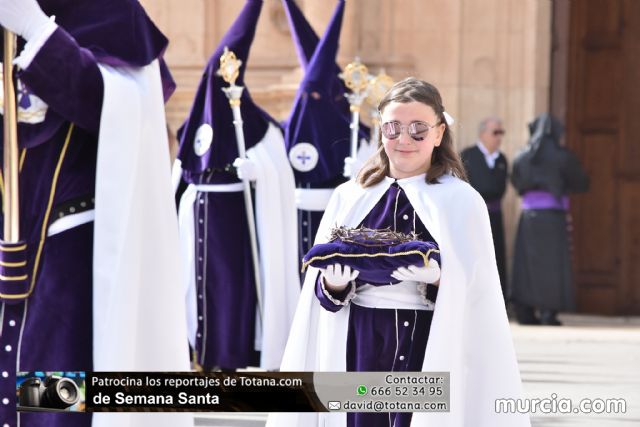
(34, 45)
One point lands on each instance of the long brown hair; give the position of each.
(444, 158)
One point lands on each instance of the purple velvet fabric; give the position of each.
(108, 27)
(56, 334)
(320, 114)
(13, 266)
(87, 38)
(211, 107)
(308, 223)
(77, 76)
(375, 264)
(304, 37)
(385, 340)
(226, 297)
(392, 211)
(52, 329)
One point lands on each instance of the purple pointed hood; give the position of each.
(320, 114)
(207, 138)
(304, 37)
(108, 27)
(117, 32)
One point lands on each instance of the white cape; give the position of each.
(138, 311)
(470, 335)
(277, 222)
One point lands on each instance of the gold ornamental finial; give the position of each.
(378, 87)
(229, 66)
(355, 76)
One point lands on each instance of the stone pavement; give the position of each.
(590, 357)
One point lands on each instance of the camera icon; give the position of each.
(54, 392)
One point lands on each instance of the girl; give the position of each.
(415, 183)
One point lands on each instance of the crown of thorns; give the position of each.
(371, 237)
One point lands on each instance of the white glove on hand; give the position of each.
(352, 167)
(23, 17)
(246, 169)
(427, 274)
(337, 276)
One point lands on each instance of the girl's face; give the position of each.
(410, 131)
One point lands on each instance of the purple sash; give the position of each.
(544, 200)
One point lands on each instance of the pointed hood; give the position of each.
(108, 27)
(116, 32)
(304, 37)
(207, 138)
(320, 116)
(321, 69)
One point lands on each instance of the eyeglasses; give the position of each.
(416, 130)
(498, 132)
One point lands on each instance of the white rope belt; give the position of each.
(313, 199)
(68, 222)
(404, 295)
(219, 188)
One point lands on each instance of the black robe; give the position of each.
(542, 261)
(491, 184)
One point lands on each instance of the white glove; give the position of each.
(427, 274)
(246, 169)
(352, 167)
(23, 17)
(337, 276)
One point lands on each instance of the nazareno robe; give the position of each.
(225, 330)
(76, 83)
(544, 174)
(469, 335)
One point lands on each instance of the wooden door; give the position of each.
(596, 89)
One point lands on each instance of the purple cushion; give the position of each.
(375, 259)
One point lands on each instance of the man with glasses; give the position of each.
(487, 172)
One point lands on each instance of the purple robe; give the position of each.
(385, 339)
(51, 330)
(225, 287)
(55, 319)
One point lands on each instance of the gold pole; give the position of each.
(10, 145)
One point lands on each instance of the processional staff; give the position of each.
(229, 70)
(378, 87)
(356, 78)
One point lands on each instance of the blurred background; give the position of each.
(507, 58)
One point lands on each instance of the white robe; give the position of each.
(470, 335)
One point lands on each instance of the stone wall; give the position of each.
(488, 57)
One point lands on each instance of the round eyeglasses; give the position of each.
(416, 130)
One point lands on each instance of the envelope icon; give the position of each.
(333, 406)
